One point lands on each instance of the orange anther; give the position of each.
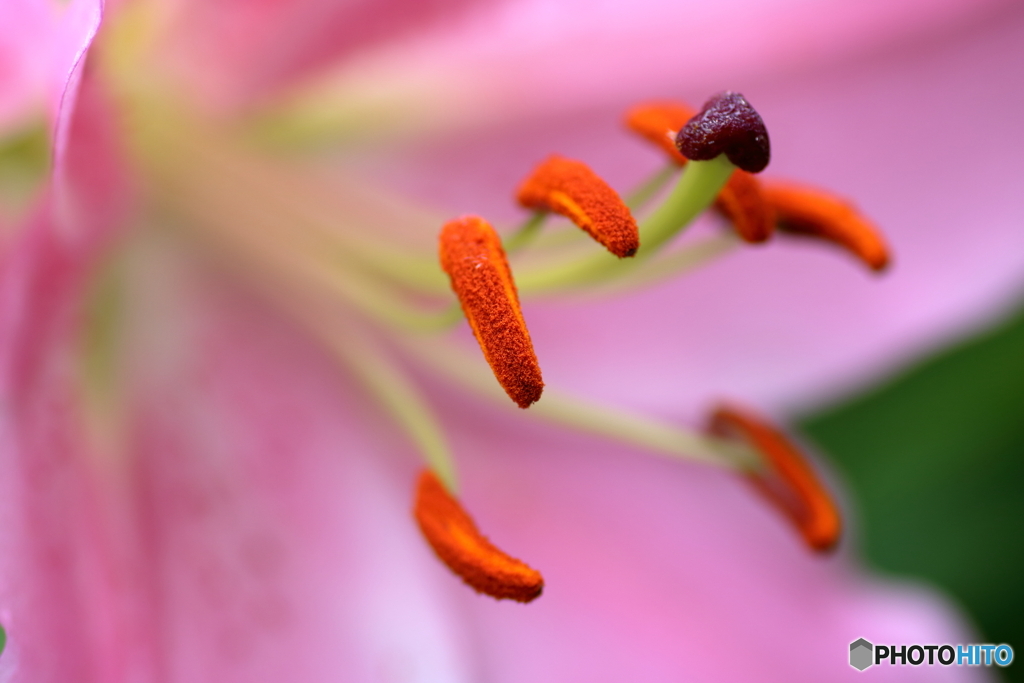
(472, 255)
(571, 189)
(743, 202)
(794, 489)
(812, 212)
(659, 122)
(460, 545)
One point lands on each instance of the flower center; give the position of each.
(317, 249)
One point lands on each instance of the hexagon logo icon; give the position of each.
(860, 654)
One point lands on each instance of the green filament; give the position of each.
(396, 393)
(696, 189)
(629, 428)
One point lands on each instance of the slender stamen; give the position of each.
(563, 241)
(812, 212)
(393, 390)
(691, 257)
(571, 189)
(472, 256)
(526, 232)
(316, 310)
(460, 545)
(795, 489)
(694, 192)
(632, 429)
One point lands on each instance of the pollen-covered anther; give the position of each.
(744, 203)
(460, 545)
(659, 123)
(813, 212)
(472, 255)
(727, 125)
(787, 479)
(571, 189)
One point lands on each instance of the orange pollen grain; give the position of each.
(571, 189)
(743, 202)
(460, 545)
(659, 122)
(472, 255)
(812, 212)
(795, 489)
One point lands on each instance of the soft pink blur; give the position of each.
(256, 525)
(22, 72)
(235, 52)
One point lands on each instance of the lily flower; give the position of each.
(247, 435)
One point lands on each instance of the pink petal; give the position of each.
(540, 57)
(267, 513)
(74, 35)
(52, 597)
(249, 529)
(255, 526)
(661, 571)
(24, 54)
(237, 51)
(214, 549)
(42, 54)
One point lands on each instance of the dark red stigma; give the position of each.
(727, 125)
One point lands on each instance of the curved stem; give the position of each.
(526, 232)
(651, 187)
(693, 194)
(623, 426)
(680, 261)
(392, 389)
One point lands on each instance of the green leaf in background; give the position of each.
(934, 459)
